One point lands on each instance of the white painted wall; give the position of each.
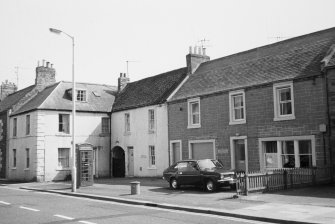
(140, 138)
(45, 140)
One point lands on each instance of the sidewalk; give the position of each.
(306, 205)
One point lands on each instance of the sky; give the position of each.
(152, 35)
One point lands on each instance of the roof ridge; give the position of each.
(267, 46)
(88, 83)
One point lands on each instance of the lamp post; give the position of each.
(73, 152)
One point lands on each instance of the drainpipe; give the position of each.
(329, 126)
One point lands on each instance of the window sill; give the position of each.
(127, 133)
(26, 169)
(193, 126)
(291, 117)
(237, 122)
(63, 134)
(152, 168)
(104, 134)
(14, 168)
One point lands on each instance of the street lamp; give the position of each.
(73, 152)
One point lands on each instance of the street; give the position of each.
(22, 206)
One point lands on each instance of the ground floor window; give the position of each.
(152, 156)
(290, 152)
(63, 158)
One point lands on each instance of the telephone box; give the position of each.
(84, 165)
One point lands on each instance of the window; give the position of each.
(283, 101)
(237, 107)
(64, 123)
(81, 95)
(14, 158)
(63, 158)
(14, 127)
(105, 125)
(151, 114)
(194, 113)
(292, 152)
(152, 156)
(127, 122)
(27, 124)
(27, 159)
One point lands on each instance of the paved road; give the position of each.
(22, 206)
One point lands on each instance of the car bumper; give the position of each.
(227, 181)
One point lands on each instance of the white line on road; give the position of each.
(5, 203)
(64, 217)
(87, 222)
(30, 209)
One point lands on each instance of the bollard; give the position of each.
(135, 187)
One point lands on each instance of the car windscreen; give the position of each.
(209, 164)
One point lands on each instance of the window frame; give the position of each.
(14, 161)
(127, 123)
(190, 113)
(276, 101)
(105, 126)
(62, 123)
(151, 121)
(232, 120)
(28, 124)
(81, 95)
(279, 141)
(66, 157)
(152, 156)
(27, 159)
(15, 127)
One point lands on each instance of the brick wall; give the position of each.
(310, 112)
(331, 102)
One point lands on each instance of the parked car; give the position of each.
(208, 173)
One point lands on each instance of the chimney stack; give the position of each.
(7, 88)
(123, 80)
(45, 76)
(195, 58)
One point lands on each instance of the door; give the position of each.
(175, 157)
(239, 151)
(130, 161)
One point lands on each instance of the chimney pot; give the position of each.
(43, 61)
(47, 64)
(190, 50)
(203, 51)
(199, 50)
(51, 65)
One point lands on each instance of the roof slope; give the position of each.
(100, 98)
(149, 91)
(289, 59)
(14, 98)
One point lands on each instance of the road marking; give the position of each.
(87, 222)
(5, 203)
(30, 209)
(64, 217)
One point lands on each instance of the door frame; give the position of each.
(232, 151)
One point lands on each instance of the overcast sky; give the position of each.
(153, 35)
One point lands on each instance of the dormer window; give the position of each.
(81, 95)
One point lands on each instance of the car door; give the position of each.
(188, 173)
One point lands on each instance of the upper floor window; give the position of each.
(14, 127)
(105, 125)
(64, 123)
(194, 113)
(151, 117)
(283, 101)
(127, 122)
(27, 124)
(237, 107)
(152, 156)
(81, 95)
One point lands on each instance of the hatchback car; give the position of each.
(208, 173)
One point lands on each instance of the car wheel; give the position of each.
(174, 184)
(210, 186)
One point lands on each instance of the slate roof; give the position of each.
(55, 97)
(149, 91)
(14, 98)
(285, 60)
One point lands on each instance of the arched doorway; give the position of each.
(118, 162)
